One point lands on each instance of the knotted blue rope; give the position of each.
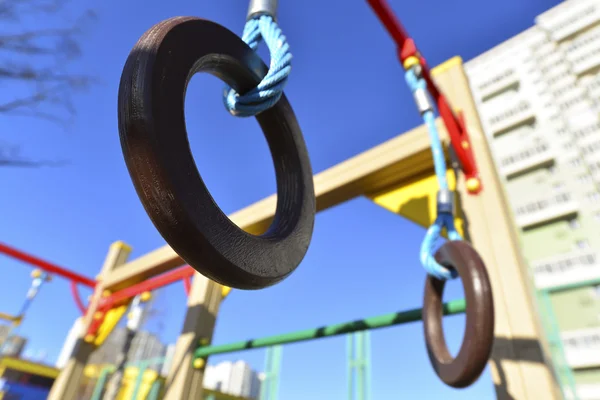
(443, 220)
(269, 90)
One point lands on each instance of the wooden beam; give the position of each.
(520, 366)
(67, 385)
(390, 163)
(185, 380)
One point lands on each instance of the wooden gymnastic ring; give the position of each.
(474, 353)
(157, 153)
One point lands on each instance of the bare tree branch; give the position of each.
(34, 63)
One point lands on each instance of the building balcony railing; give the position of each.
(582, 347)
(565, 269)
(566, 23)
(546, 209)
(527, 159)
(498, 83)
(514, 116)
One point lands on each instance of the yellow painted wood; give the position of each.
(111, 319)
(416, 200)
(28, 367)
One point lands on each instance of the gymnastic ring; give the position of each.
(157, 153)
(476, 348)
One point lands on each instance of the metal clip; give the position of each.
(423, 101)
(445, 202)
(262, 7)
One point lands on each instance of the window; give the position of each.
(587, 130)
(572, 102)
(583, 41)
(574, 18)
(496, 79)
(591, 148)
(593, 197)
(566, 264)
(584, 342)
(522, 106)
(574, 223)
(585, 178)
(523, 155)
(542, 204)
(558, 186)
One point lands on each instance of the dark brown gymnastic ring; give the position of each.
(157, 153)
(472, 358)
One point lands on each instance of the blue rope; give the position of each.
(269, 90)
(443, 220)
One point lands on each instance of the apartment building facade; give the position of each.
(538, 97)
(235, 378)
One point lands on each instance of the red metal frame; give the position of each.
(455, 126)
(77, 298)
(53, 269)
(146, 286)
(46, 266)
(187, 285)
(106, 303)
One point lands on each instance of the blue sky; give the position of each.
(349, 94)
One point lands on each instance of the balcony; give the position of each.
(498, 83)
(514, 116)
(568, 18)
(526, 160)
(564, 269)
(589, 391)
(587, 61)
(582, 347)
(546, 210)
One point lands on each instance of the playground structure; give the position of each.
(39, 277)
(400, 175)
(392, 175)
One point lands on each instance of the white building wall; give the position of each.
(69, 345)
(538, 95)
(235, 378)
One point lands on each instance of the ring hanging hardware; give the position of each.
(445, 197)
(156, 150)
(261, 24)
(471, 360)
(257, 8)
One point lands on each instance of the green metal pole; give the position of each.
(100, 383)
(276, 372)
(359, 364)
(563, 369)
(154, 391)
(350, 364)
(139, 379)
(360, 370)
(382, 321)
(264, 387)
(368, 365)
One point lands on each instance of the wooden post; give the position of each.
(67, 385)
(185, 379)
(520, 366)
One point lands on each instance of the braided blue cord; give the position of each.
(444, 219)
(269, 90)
